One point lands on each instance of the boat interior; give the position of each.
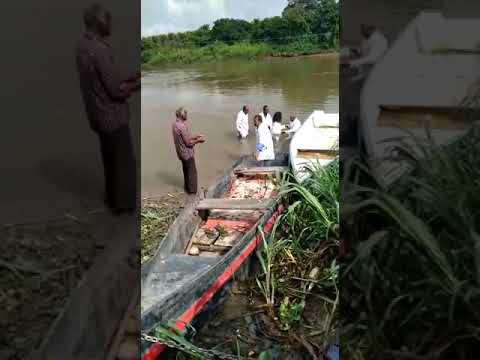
(316, 142)
(210, 230)
(419, 84)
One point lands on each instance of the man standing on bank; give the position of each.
(105, 89)
(184, 145)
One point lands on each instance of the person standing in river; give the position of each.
(241, 123)
(277, 126)
(264, 143)
(266, 117)
(184, 145)
(105, 90)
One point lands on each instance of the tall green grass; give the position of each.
(221, 51)
(299, 258)
(411, 287)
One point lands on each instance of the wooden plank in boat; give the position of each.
(208, 254)
(261, 170)
(214, 248)
(421, 108)
(417, 117)
(245, 215)
(230, 239)
(235, 204)
(317, 154)
(201, 238)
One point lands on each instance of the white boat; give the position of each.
(420, 82)
(315, 143)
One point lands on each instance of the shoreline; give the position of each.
(145, 67)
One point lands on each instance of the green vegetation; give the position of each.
(299, 260)
(157, 214)
(412, 279)
(297, 286)
(305, 27)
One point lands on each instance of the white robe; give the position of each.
(294, 126)
(372, 50)
(264, 137)
(277, 130)
(267, 120)
(242, 124)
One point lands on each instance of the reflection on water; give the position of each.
(213, 94)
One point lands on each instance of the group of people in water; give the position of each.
(268, 129)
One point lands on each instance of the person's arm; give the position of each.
(131, 86)
(119, 85)
(109, 76)
(189, 140)
(289, 129)
(239, 123)
(376, 50)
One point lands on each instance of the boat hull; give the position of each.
(314, 144)
(178, 287)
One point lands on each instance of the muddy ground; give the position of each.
(157, 214)
(41, 263)
(243, 325)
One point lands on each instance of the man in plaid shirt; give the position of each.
(105, 88)
(184, 145)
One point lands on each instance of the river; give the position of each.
(213, 94)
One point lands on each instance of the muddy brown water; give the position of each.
(213, 94)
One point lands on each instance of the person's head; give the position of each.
(257, 120)
(181, 114)
(292, 117)
(98, 20)
(277, 117)
(367, 30)
(265, 109)
(246, 109)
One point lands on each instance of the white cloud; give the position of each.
(162, 29)
(163, 16)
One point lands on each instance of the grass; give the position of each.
(40, 265)
(298, 279)
(413, 275)
(157, 215)
(221, 51)
(300, 273)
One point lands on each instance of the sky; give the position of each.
(164, 16)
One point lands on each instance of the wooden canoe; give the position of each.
(179, 283)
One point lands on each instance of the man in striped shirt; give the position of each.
(105, 89)
(184, 145)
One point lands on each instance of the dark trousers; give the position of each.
(190, 175)
(119, 169)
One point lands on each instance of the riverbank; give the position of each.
(289, 305)
(416, 242)
(157, 214)
(42, 263)
(220, 52)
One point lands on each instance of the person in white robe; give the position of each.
(264, 143)
(293, 126)
(277, 126)
(241, 123)
(373, 48)
(266, 117)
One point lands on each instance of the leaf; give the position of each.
(265, 355)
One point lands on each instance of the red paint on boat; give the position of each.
(187, 317)
(239, 225)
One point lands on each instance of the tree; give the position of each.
(231, 30)
(325, 21)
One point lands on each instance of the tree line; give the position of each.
(302, 21)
